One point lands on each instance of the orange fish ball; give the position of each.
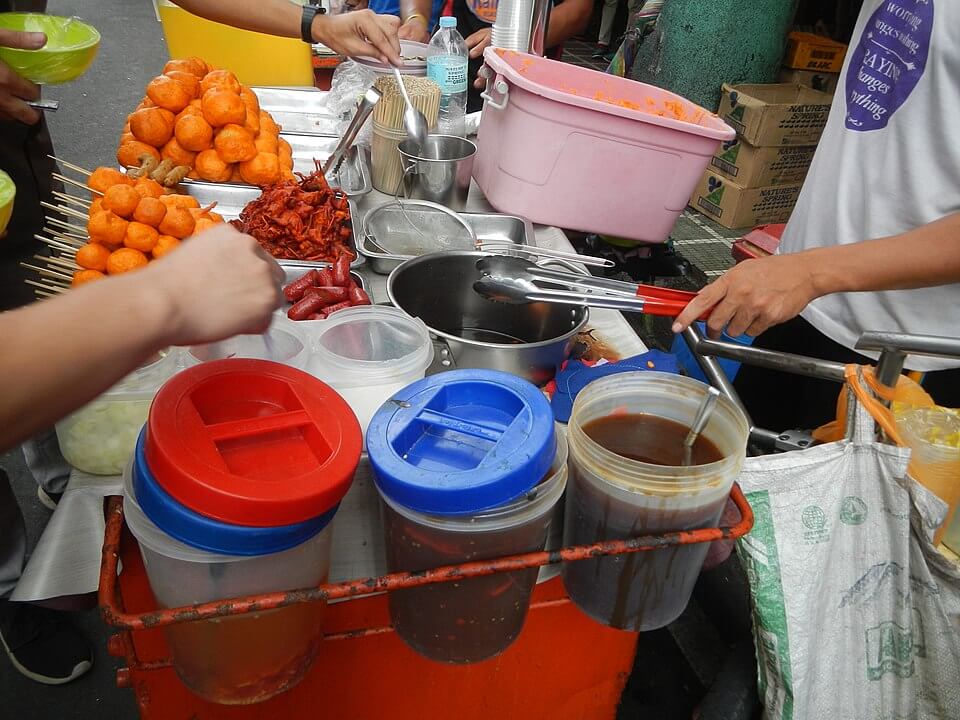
(168, 93)
(81, 277)
(150, 211)
(193, 133)
(221, 79)
(105, 177)
(129, 153)
(140, 237)
(235, 144)
(121, 199)
(92, 256)
(222, 107)
(124, 260)
(165, 244)
(264, 169)
(189, 81)
(176, 154)
(106, 228)
(178, 222)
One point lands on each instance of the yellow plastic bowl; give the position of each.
(8, 191)
(71, 47)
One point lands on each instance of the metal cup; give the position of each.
(440, 171)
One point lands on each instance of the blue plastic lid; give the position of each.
(448, 21)
(461, 442)
(201, 532)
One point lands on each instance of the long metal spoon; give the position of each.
(413, 119)
(699, 423)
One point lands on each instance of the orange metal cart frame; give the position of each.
(564, 666)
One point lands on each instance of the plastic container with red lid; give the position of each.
(252, 442)
(231, 492)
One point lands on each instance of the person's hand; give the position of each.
(360, 34)
(13, 88)
(753, 296)
(476, 44)
(215, 285)
(414, 28)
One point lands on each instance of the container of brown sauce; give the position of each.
(627, 479)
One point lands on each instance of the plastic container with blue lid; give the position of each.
(469, 467)
(462, 442)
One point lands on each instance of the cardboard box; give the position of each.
(806, 51)
(734, 206)
(822, 81)
(779, 114)
(751, 166)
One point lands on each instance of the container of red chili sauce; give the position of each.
(469, 467)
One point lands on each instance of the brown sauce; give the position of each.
(650, 439)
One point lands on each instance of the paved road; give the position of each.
(85, 131)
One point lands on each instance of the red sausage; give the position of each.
(305, 308)
(294, 291)
(317, 316)
(324, 278)
(339, 306)
(341, 271)
(329, 294)
(358, 296)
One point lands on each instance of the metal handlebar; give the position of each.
(893, 348)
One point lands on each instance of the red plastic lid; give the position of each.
(252, 442)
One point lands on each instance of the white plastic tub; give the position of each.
(550, 131)
(281, 343)
(368, 353)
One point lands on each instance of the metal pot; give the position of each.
(527, 340)
(439, 172)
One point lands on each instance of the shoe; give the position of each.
(42, 644)
(600, 52)
(48, 500)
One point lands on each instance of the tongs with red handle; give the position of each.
(574, 289)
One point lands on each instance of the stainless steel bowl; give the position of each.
(527, 340)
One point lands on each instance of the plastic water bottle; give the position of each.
(447, 60)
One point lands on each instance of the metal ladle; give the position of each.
(413, 119)
(699, 423)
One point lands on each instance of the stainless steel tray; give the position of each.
(353, 178)
(298, 110)
(489, 227)
(231, 199)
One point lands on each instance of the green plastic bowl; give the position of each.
(71, 47)
(8, 191)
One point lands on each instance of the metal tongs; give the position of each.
(517, 281)
(369, 100)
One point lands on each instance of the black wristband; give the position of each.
(306, 22)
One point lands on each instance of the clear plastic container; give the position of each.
(99, 437)
(246, 658)
(475, 619)
(368, 353)
(610, 497)
(280, 344)
(933, 436)
(447, 66)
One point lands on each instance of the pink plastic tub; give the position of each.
(583, 150)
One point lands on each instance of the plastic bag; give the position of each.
(855, 612)
(350, 81)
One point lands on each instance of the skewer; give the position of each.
(58, 261)
(71, 181)
(72, 199)
(68, 240)
(48, 288)
(43, 294)
(69, 212)
(70, 165)
(69, 226)
(56, 232)
(46, 272)
(63, 247)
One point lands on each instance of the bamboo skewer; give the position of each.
(63, 247)
(68, 212)
(72, 200)
(67, 240)
(70, 165)
(58, 262)
(71, 181)
(46, 272)
(49, 288)
(69, 226)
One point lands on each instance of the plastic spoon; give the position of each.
(699, 423)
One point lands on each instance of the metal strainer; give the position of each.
(409, 228)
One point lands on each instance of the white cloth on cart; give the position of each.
(855, 612)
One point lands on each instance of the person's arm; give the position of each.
(351, 34)
(758, 294)
(14, 90)
(415, 20)
(59, 354)
(566, 20)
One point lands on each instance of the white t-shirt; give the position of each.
(888, 162)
